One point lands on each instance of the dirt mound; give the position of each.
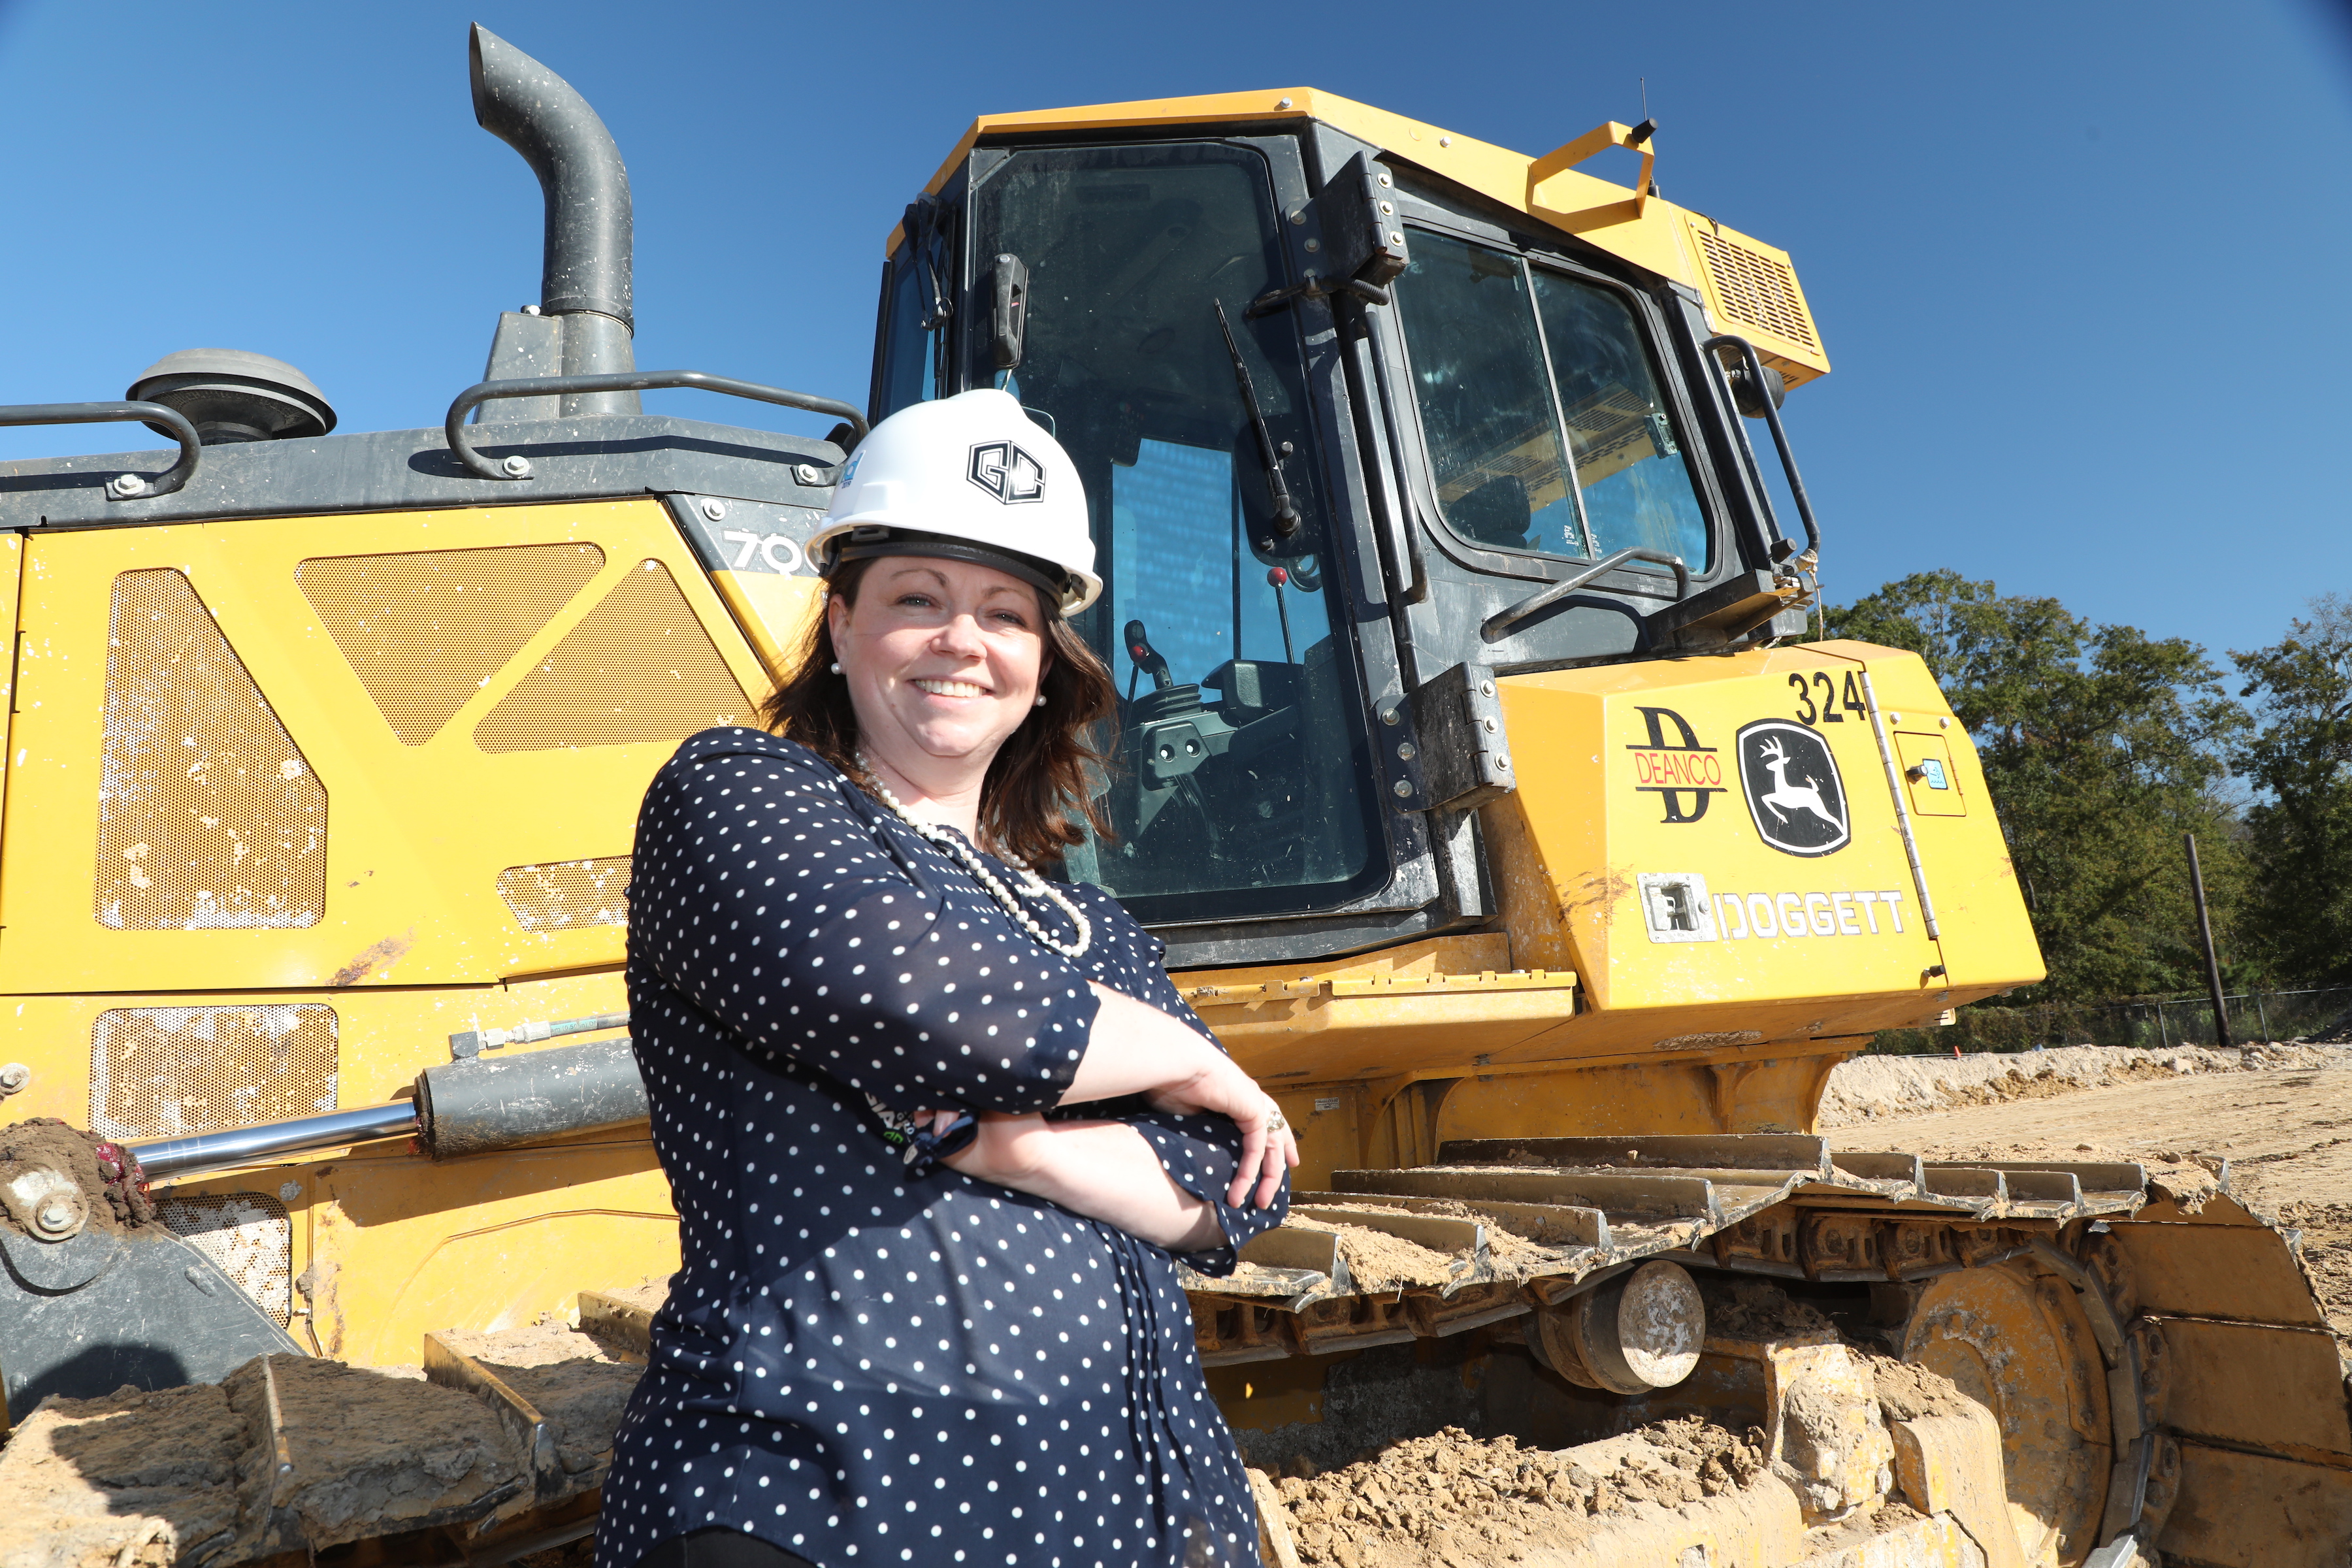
(129, 1478)
(359, 1469)
(543, 1343)
(1451, 1499)
(2326, 1258)
(1379, 1261)
(1869, 1088)
(1757, 1310)
(138, 1481)
(1906, 1392)
(567, 1377)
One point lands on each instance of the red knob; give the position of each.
(1277, 575)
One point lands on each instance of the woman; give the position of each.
(887, 1342)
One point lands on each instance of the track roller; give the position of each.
(1633, 1333)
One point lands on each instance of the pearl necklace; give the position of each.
(1032, 885)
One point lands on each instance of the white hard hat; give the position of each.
(970, 476)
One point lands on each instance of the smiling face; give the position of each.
(942, 660)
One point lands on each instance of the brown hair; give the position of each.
(1035, 802)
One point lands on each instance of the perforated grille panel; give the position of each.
(423, 630)
(639, 666)
(249, 1235)
(1755, 289)
(165, 1072)
(568, 893)
(207, 813)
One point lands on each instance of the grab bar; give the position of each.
(461, 443)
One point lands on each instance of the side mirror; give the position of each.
(1009, 314)
(1747, 399)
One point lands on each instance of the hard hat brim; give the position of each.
(1069, 590)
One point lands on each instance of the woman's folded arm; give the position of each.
(1134, 1048)
(1105, 1170)
(773, 908)
(1155, 1174)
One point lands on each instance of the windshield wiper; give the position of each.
(1285, 512)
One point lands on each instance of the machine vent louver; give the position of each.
(638, 666)
(166, 1072)
(249, 1235)
(1754, 290)
(209, 817)
(568, 893)
(423, 629)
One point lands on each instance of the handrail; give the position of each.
(519, 468)
(1499, 624)
(123, 487)
(1755, 368)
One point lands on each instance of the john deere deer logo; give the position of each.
(1795, 794)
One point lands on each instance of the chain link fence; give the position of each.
(2321, 1017)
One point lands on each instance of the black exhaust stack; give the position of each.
(585, 318)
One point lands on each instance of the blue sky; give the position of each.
(2078, 266)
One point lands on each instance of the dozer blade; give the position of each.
(85, 1316)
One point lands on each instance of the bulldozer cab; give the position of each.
(1338, 415)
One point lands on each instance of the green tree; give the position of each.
(2299, 831)
(2100, 746)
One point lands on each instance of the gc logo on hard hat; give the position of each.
(1006, 472)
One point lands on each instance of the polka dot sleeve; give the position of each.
(772, 899)
(1198, 1154)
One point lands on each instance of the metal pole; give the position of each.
(2205, 933)
(2262, 1016)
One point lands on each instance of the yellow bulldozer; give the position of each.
(1472, 762)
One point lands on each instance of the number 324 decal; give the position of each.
(1832, 700)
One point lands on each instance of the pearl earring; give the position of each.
(837, 666)
(1041, 700)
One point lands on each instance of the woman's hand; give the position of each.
(1269, 1147)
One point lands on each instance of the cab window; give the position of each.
(906, 365)
(1540, 409)
(1241, 780)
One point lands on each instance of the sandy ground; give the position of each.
(1871, 1088)
(2286, 1133)
(1451, 1501)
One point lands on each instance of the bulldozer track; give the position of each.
(1780, 1206)
(2188, 1347)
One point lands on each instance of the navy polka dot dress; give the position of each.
(857, 1364)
